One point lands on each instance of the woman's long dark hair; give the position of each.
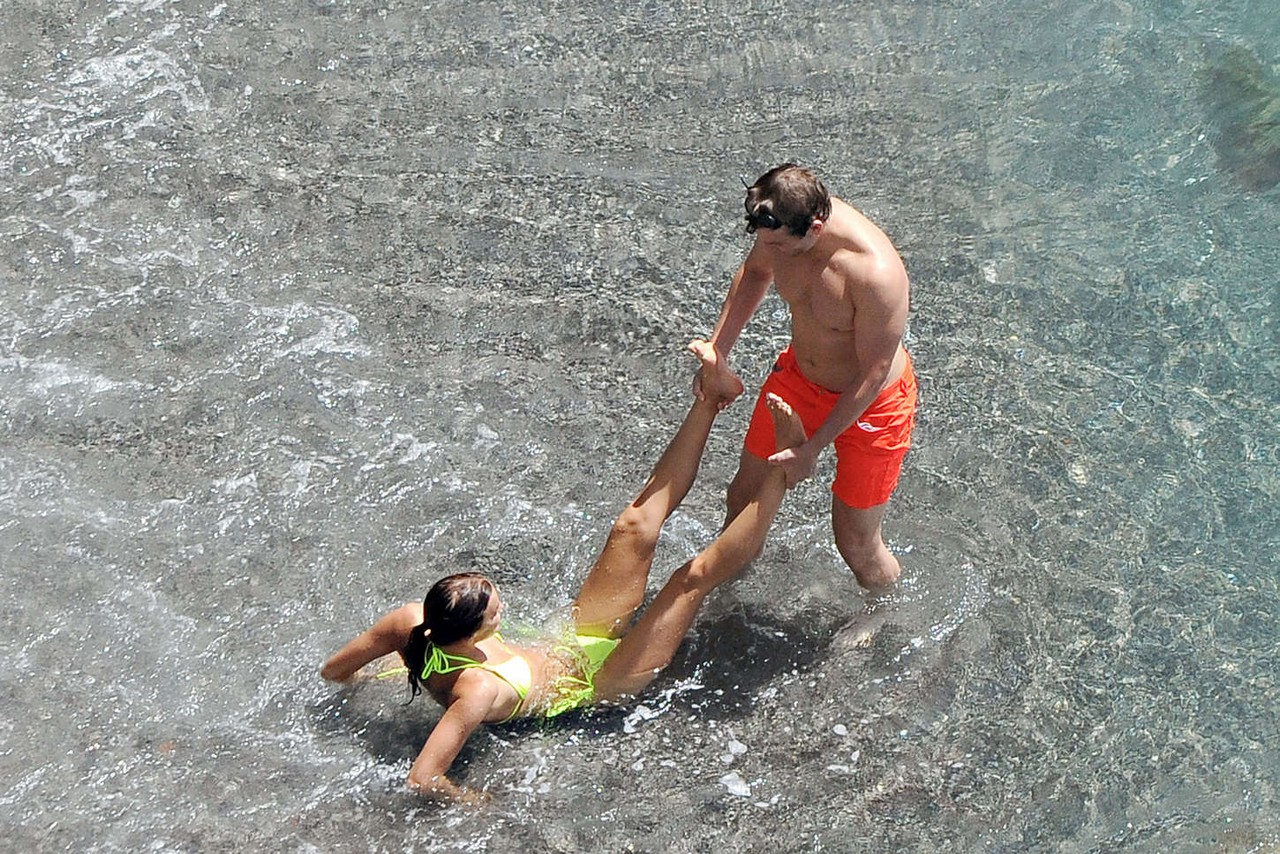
(454, 609)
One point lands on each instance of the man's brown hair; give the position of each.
(787, 195)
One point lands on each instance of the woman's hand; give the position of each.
(474, 798)
(441, 788)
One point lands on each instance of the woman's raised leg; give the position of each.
(616, 584)
(650, 645)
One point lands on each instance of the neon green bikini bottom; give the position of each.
(572, 692)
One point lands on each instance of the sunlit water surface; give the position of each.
(306, 304)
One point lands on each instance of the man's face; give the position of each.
(783, 242)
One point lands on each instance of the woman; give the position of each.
(450, 645)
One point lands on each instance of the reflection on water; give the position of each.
(304, 307)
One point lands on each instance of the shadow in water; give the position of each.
(376, 714)
(727, 659)
(392, 732)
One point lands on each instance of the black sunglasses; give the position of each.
(762, 219)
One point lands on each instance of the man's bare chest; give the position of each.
(817, 296)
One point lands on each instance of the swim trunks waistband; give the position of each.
(869, 454)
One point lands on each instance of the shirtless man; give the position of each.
(845, 371)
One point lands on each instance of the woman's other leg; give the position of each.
(616, 584)
(649, 646)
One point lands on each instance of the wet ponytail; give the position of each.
(415, 657)
(454, 609)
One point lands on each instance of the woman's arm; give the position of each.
(474, 694)
(389, 634)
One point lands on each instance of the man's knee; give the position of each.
(857, 543)
(874, 567)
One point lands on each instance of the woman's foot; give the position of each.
(715, 381)
(787, 429)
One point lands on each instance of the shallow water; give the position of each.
(305, 305)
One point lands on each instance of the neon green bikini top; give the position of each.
(514, 671)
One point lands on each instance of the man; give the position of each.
(845, 371)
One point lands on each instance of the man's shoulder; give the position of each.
(846, 215)
(869, 268)
(853, 223)
(864, 250)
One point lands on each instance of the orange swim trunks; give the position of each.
(868, 455)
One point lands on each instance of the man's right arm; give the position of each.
(750, 284)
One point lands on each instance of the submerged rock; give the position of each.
(1243, 101)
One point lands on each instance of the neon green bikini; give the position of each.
(514, 671)
(566, 692)
(571, 692)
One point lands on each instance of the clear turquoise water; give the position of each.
(307, 304)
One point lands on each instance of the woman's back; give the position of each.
(519, 673)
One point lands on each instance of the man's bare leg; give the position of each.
(857, 532)
(650, 645)
(859, 540)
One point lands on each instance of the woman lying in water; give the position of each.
(450, 645)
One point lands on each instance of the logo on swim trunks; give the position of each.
(870, 428)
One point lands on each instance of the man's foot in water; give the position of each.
(861, 630)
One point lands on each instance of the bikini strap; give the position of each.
(442, 662)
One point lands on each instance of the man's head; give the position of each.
(787, 195)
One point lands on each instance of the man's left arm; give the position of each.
(880, 319)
